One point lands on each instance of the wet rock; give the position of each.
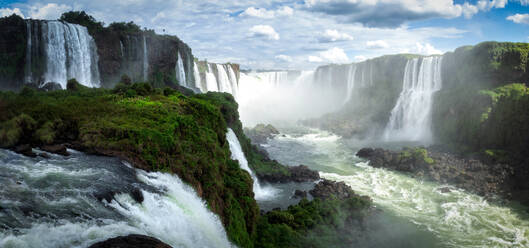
(327, 188)
(25, 150)
(106, 195)
(445, 190)
(300, 194)
(131, 241)
(44, 155)
(56, 149)
(51, 86)
(137, 195)
(365, 153)
(261, 133)
(299, 174)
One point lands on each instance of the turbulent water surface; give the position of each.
(456, 218)
(53, 203)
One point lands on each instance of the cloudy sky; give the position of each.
(302, 34)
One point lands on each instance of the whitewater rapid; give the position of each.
(52, 203)
(457, 218)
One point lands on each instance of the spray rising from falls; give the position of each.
(238, 154)
(411, 117)
(54, 203)
(217, 78)
(69, 52)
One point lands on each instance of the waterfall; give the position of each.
(121, 48)
(219, 78)
(70, 52)
(411, 117)
(145, 60)
(211, 80)
(223, 80)
(180, 71)
(198, 80)
(52, 203)
(233, 81)
(238, 154)
(350, 82)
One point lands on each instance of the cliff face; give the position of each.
(369, 91)
(12, 51)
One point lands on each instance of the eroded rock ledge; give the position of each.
(469, 174)
(131, 241)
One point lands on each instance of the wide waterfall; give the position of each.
(69, 52)
(54, 203)
(198, 81)
(350, 82)
(181, 72)
(218, 78)
(145, 61)
(238, 154)
(411, 117)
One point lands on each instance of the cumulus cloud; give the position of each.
(332, 35)
(519, 18)
(359, 58)
(264, 31)
(333, 55)
(377, 44)
(393, 13)
(284, 58)
(423, 49)
(7, 12)
(49, 11)
(267, 14)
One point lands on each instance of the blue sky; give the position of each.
(304, 34)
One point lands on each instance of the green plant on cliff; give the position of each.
(156, 131)
(83, 19)
(417, 154)
(125, 27)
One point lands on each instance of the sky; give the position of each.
(303, 34)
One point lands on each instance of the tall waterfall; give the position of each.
(68, 52)
(238, 154)
(180, 71)
(350, 82)
(218, 78)
(198, 81)
(53, 203)
(145, 60)
(411, 117)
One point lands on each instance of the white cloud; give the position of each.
(423, 49)
(267, 14)
(519, 18)
(377, 44)
(264, 31)
(393, 13)
(315, 59)
(7, 12)
(332, 35)
(334, 55)
(49, 11)
(284, 58)
(359, 58)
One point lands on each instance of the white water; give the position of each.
(121, 48)
(261, 193)
(145, 60)
(211, 80)
(411, 117)
(180, 71)
(350, 82)
(28, 71)
(70, 53)
(223, 80)
(50, 203)
(459, 219)
(198, 81)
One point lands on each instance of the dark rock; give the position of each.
(56, 149)
(299, 174)
(327, 188)
(137, 195)
(445, 190)
(44, 155)
(106, 195)
(365, 153)
(300, 194)
(25, 150)
(261, 133)
(131, 241)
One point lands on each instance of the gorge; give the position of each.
(155, 144)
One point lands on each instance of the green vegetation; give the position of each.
(318, 223)
(125, 27)
(419, 155)
(83, 19)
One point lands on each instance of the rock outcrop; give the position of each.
(131, 241)
(261, 133)
(300, 173)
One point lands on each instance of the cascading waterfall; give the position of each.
(411, 117)
(275, 77)
(350, 82)
(122, 49)
(69, 51)
(223, 79)
(233, 81)
(180, 71)
(198, 80)
(145, 60)
(52, 203)
(237, 153)
(211, 80)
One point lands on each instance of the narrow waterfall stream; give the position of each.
(53, 203)
(180, 71)
(457, 218)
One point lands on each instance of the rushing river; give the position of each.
(54, 203)
(456, 218)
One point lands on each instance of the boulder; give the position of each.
(51, 86)
(300, 194)
(261, 133)
(25, 149)
(131, 241)
(326, 189)
(56, 149)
